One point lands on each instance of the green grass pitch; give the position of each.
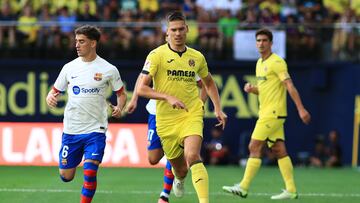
(138, 185)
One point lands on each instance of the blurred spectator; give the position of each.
(170, 5)
(123, 35)
(149, 5)
(110, 11)
(129, 5)
(334, 150)
(308, 37)
(7, 32)
(87, 6)
(272, 5)
(327, 155)
(318, 157)
(208, 35)
(85, 14)
(217, 153)
(228, 26)
(46, 33)
(343, 41)
(292, 37)
(27, 28)
(267, 18)
(189, 9)
(233, 6)
(67, 22)
(287, 8)
(71, 5)
(310, 6)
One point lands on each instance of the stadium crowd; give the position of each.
(316, 29)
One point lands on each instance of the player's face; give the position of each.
(176, 32)
(263, 44)
(84, 46)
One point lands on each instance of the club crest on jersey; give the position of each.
(98, 76)
(64, 162)
(191, 62)
(265, 68)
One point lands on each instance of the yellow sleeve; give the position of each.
(203, 69)
(280, 68)
(151, 64)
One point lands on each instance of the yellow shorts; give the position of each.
(269, 129)
(172, 134)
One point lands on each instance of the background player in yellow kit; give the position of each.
(272, 82)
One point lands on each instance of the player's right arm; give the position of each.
(130, 108)
(51, 98)
(249, 88)
(145, 90)
(59, 86)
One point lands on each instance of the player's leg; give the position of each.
(93, 153)
(179, 169)
(286, 169)
(155, 153)
(253, 163)
(257, 142)
(70, 156)
(200, 178)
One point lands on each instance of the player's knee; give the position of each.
(255, 149)
(191, 157)
(279, 152)
(153, 161)
(66, 179)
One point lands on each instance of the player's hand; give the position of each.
(116, 111)
(176, 103)
(305, 116)
(51, 99)
(222, 118)
(249, 88)
(130, 108)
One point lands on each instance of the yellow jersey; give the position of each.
(174, 73)
(272, 93)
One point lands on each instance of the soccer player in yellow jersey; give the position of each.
(179, 110)
(273, 81)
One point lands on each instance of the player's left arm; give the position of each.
(213, 93)
(203, 93)
(295, 96)
(120, 102)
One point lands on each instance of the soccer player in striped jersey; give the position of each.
(86, 80)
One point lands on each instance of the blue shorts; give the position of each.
(74, 147)
(153, 138)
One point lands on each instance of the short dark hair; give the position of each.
(175, 15)
(89, 31)
(264, 31)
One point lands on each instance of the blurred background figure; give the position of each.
(327, 154)
(216, 151)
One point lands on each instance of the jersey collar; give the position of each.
(180, 53)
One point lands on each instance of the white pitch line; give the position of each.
(33, 190)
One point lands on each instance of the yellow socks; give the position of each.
(200, 180)
(252, 167)
(286, 169)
